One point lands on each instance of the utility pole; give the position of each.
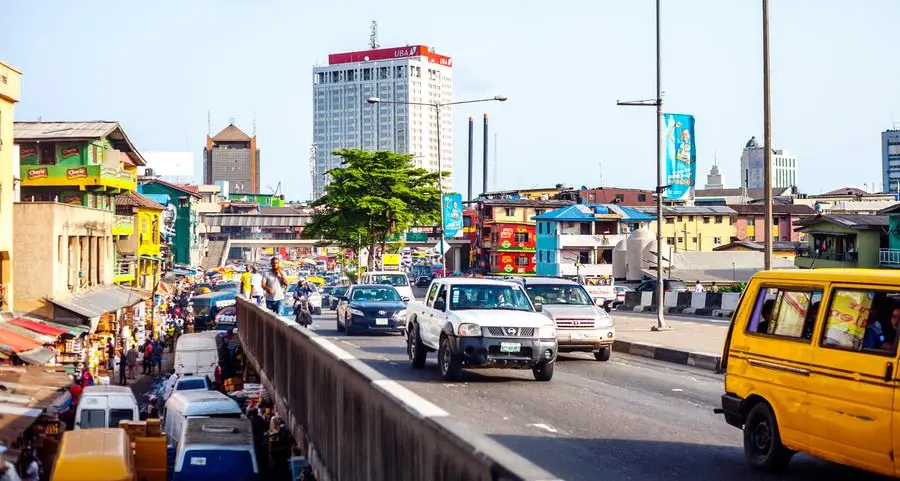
(767, 140)
(660, 188)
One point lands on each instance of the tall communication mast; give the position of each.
(373, 35)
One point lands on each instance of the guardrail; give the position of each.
(357, 425)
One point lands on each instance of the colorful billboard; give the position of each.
(681, 155)
(513, 263)
(514, 237)
(453, 216)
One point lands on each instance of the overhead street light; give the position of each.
(437, 115)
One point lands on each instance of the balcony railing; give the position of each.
(125, 271)
(77, 176)
(889, 258)
(807, 260)
(592, 241)
(123, 225)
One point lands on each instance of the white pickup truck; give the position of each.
(474, 323)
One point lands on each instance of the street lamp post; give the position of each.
(767, 140)
(437, 113)
(660, 188)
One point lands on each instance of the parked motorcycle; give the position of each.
(302, 313)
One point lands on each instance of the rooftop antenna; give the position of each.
(254, 123)
(715, 158)
(231, 120)
(373, 35)
(208, 123)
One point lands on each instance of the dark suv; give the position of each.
(669, 285)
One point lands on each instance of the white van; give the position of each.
(397, 279)
(216, 449)
(105, 406)
(194, 404)
(197, 354)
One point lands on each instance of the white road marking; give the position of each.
(545, 427)
(415, 402)
(332, 348)
(350, 344)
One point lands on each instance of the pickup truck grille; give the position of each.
(574, 323)
(510, 331)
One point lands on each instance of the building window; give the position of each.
(690, 218)
(540, 227)
(620, 197)
(642, 197)
(521, 261)
(680, 219)
(520, 237)
(774, 220)
(540, 256)
(718, 219)
(538, 211)
(680, 240)
(787, 313)
(670, 240)
(693, 240)
(717, 240)
(584, 257)
(510, 211)
(705, 220)
(670, 220)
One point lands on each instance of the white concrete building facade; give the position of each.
(784, 167)
(343, 119)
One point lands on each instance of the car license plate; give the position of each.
(577, 335)
(510, 347)
(381, 321)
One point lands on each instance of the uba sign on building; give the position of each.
(408, 51)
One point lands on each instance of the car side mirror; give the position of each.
(440, 305)
(538, 307)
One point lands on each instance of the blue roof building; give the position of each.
(579, 239)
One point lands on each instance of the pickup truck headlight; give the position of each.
(547, 332)
(603, 320)
(468, 330)
(356, 312)
(400, 315)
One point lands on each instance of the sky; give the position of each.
(159, 67)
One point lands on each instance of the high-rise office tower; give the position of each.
(342, 117)
(232, 156)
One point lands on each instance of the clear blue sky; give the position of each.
(157, 67)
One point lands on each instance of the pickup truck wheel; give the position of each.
(451, 368)
(603, 354)
(544, 371)
(415, 349)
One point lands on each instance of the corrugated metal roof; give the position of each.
(254, 220)
(99, 302)
(161, 199)
(690, 210)
(134, 199)
(48, 131)
(852, 221)
(572, 213)
(179, 188)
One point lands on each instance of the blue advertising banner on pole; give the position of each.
(681, 155)
(453, 215)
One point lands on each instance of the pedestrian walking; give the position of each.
(132, 357)
(698, 287)
(246, 277)
(256, 289)
(274, 283)
(714, 287)
(123, 368)
(147, 361)
(111, 356)
(157, 355)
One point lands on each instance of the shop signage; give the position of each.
(76, 173)
(27, 151)
(67, 152)
(37, 173)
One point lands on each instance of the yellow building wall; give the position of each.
(694, 234)
(520, 215)
(9, 95)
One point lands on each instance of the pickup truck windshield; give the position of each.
(488, 297)
(396, 280)
(559, 294)
(375, 294)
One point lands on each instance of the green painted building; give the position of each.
(180, 219)
(843, 240)
(263, 200)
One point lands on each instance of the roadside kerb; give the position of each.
(707, 304)
(668, 354)
(356, 424)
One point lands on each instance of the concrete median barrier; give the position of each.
(709, 304)
(357, 425)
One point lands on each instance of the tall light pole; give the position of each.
(767, 140)
(437, 113)
(660, 188)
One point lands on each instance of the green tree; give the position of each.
(371, 196)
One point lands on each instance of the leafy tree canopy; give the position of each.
(372, 196)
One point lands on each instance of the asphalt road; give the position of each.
(627, 419)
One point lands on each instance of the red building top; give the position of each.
(390, 54)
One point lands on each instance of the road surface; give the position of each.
(627, 419)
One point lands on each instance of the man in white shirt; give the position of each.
(256, 289)
(698, 287)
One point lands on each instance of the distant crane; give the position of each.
(276, 190)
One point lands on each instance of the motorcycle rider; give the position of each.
(302, 313)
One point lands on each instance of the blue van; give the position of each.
(206, 307)
(215, 449)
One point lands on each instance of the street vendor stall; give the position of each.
(31, 400)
